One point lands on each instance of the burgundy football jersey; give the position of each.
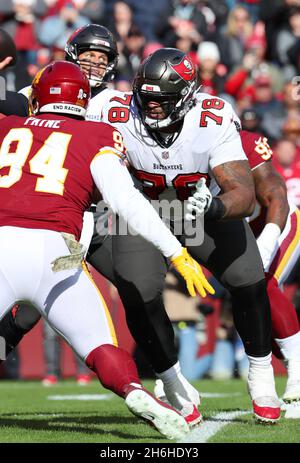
(45, 177)
(257, 151)
(256, 148)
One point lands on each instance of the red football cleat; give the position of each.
(192, 418)
(266, 410)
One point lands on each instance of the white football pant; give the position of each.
(68, 300)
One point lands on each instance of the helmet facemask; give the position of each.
(72, 54)
(174, 105)
(168, 77)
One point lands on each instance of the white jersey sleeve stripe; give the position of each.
(110, 150)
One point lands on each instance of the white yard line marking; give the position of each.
(209, 428)
(80, 397)
(210, 395)
(26, 415)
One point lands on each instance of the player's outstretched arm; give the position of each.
(119, 192)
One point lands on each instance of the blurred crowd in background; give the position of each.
(248, 52)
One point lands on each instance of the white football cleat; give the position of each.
(292, 390)
(166, 420)
(187, 405)
(261, 387)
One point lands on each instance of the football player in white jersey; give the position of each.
(94, 49)
(175, 137)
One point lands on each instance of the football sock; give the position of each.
(170, 376)
(290, 346)
(114, 367)
(178, 390)
(260, 362)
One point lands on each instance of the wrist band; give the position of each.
(216, 210)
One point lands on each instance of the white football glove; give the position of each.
(267, 243)
(200, 202)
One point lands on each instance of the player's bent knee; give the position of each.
(238, 276)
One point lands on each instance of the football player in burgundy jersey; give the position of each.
(48, 176)
(276, 225)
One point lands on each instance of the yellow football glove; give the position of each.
(191, 271)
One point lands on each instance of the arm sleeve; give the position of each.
(118, 191)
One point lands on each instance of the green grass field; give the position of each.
(29, 414)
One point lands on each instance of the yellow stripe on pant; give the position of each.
(291, 248)
(108, 316)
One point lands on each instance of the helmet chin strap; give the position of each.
(157, 124)
(95, 83)
(98, 81)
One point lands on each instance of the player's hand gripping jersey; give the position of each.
(209, 137)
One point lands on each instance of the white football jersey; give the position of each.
(25, 91)
(96, 103)
(209, 137)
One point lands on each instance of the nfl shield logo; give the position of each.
(165, 154)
